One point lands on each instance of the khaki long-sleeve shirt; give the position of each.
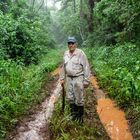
(75, 65)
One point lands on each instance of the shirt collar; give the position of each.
(74, 53)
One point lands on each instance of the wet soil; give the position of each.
(102, 120)
(35, 112)
(111, 116)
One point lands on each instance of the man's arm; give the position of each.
(86, 69)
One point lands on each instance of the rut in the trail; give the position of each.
(37, 127)
(112, 118)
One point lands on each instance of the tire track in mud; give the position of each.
(36, 127)
(110, 115)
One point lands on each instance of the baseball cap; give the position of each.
(71, 39)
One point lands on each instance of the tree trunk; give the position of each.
(33, 3)
(81, 8)
(81, 19)
(74, 5)
(90, 20)
(41, 5)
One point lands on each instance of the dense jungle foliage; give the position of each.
(25, 40)
(108, 30)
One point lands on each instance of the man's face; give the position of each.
(72, 46)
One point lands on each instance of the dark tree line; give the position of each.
(105, 21)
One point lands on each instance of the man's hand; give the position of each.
(86, 84)
(61, 82)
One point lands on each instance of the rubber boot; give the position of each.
(73, 110)
(80, 114)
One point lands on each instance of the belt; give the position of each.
(73, 76)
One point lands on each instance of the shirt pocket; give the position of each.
(76, 65)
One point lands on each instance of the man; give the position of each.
(76, 71)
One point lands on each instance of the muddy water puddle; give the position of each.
(112, 117)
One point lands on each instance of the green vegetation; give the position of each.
(107, 29)
(20, 86)
(103, 22)
(118, 72)
(26, 55)
(24, 35)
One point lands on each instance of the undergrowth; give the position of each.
(118, 71)
(19, 88)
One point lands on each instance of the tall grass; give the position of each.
(118, 71)
(19, 87)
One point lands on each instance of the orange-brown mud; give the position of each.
(55, 72)
(112, 117)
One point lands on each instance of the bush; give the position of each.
(19, 86)
(118, 72)
(17, 39)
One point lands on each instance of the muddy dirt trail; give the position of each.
(112, 117)
(36, 126)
